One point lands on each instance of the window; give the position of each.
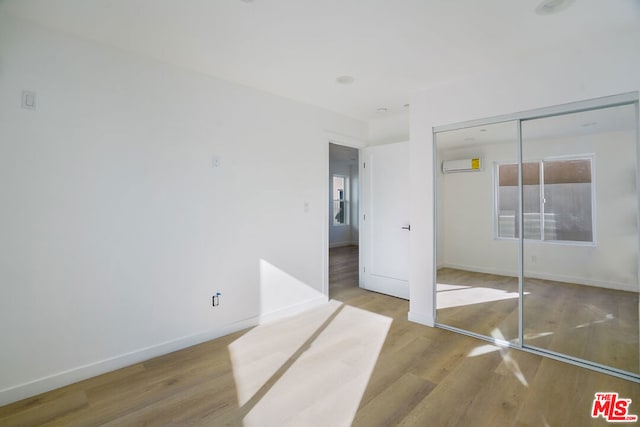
(557, 198)
(340, 214)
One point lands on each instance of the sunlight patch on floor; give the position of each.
(608, 317)
(470, 295)
(279, 288)
(443, 287)
(482, 349)
(309, 369)
(507, 360)
(501, 345)
(259, 353)
(535, 336)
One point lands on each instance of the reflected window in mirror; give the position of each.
(557, 197)
(340, 205)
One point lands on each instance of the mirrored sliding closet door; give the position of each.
(580, 250)
(477, 273)
(537, 232)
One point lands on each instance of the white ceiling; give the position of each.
(343, 155)
(297, 48)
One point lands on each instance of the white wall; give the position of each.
(116, 229)
(468, 216)
(344, 234)
(389, 128)
(599, 68)
(465, 214)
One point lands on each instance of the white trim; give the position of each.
(326, 191)
(70, 376)
(435, 189)
(89, 370)
(333, 138)
(336, 138)
(293, 309)
(483, 270)
(387, 285)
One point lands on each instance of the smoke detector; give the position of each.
(345, 80)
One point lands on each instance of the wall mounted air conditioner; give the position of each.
(463, 165)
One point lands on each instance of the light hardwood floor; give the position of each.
(595, 324)
(356, 361)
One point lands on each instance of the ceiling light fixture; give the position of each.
(589, 124)
(382, 110)
(550, 7)
(345, 80)
(406, 105)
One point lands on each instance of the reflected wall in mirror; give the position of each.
(477, 271)
(580, 250)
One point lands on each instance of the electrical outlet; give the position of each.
(215, 300)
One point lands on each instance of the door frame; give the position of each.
(347, 141)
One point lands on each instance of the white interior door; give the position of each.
(385, 219)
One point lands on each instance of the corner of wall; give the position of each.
(421, 318)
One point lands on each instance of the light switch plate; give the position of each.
(28, 100)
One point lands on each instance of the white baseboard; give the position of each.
(422, 318)
(544, 276)
(386, 285)
(476, 269)
(583, 281)
(70, 376)
(342, 244)
(293, 309)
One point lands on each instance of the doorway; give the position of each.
(343, 206)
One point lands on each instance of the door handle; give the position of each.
(407, 227)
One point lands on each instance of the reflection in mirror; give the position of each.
(580, 251)
(477, 246)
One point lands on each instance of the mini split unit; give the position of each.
(463, 165)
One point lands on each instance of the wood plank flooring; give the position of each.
(595, 324)
(356, 361)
